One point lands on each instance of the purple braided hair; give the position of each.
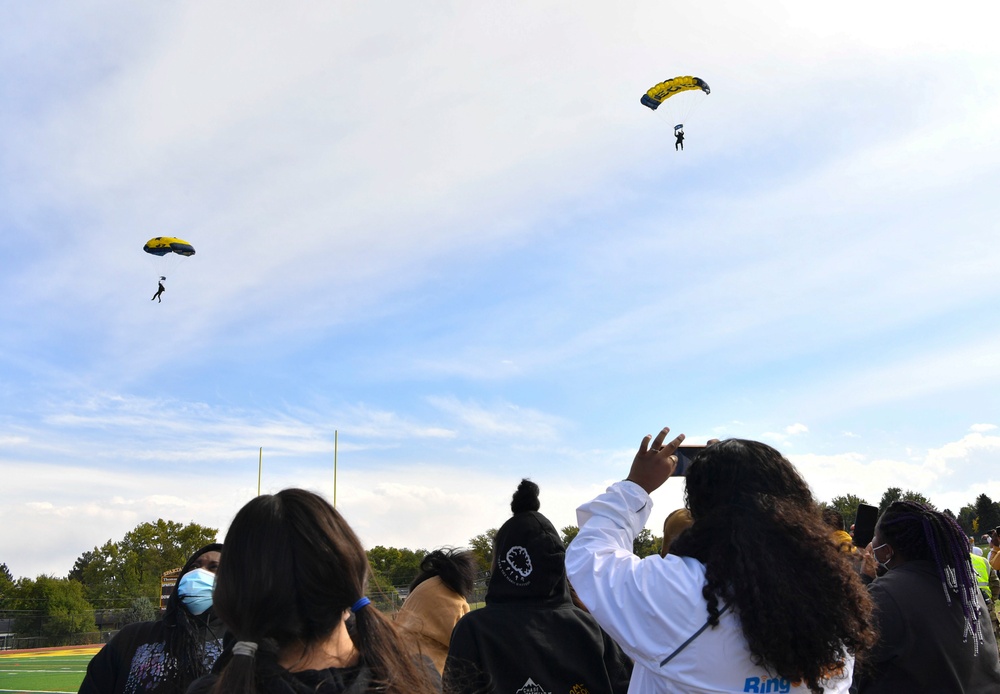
(920, 532)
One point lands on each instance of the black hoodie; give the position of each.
(530, 638)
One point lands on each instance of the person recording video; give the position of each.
(755, 577)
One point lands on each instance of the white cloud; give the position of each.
(982, 428)
(503, 419)
(784, 438)
(951, 475)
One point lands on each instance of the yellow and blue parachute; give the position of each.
(167, 253)
(162, 245)
(659, 93)
(678, 97)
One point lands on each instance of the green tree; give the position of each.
(395, 567)
(896, 494)
(910, 495)
(847, 506)
(891, 494)
(988, 513)
(646, 543)
(482, 547)
(54, 608)
(141, 610)
(967, 519)
(6, 586)
(117, 572)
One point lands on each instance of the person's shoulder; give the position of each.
(472, 619)
(901, 584)
(138, 631)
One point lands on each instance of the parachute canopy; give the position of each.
(664, 90)
(163, 245)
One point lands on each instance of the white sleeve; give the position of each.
(647, 605)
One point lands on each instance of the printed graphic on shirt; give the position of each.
(578, 689)
(516, 566)
(778, 685)
(531, 688)
(152, 667)
(766, 685)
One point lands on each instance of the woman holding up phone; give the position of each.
(755, 577)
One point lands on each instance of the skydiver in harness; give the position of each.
(679, 134)
(159, 290)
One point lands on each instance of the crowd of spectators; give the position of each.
(756, 588)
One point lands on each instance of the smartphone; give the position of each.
(685, 454)
(864, 524)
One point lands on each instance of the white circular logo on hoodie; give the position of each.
(516, 565)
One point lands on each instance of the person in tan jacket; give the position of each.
(438, 598)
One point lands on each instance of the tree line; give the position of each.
(110, 585)
(975, 519)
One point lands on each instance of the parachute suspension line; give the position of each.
(677, 99)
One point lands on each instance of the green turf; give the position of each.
(42, 673)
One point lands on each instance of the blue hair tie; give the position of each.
(360, 603)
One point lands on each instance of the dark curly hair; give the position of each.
(917, 531)
(525, 498)
(768, 555)
(457, 569)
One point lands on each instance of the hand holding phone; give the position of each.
(654, 462)
(685, 454)
(864, 525)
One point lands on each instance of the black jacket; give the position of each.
(134, 661)
(530, 637)
(921, 647)
(351, 680)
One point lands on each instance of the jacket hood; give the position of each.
(529, 557)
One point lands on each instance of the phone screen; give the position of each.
(864, 525)
(685, 454)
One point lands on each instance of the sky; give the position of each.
(448, 237)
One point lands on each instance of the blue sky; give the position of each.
(451, 234)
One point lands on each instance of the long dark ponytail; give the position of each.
(293, 568)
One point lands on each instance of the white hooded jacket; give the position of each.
(652, 606)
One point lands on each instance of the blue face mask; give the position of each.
(195, 590)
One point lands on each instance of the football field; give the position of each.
(57, 670)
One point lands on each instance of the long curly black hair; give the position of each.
(768, 555)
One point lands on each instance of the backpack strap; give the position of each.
(695, 635)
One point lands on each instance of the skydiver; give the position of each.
(679, 134)
(159, 290)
